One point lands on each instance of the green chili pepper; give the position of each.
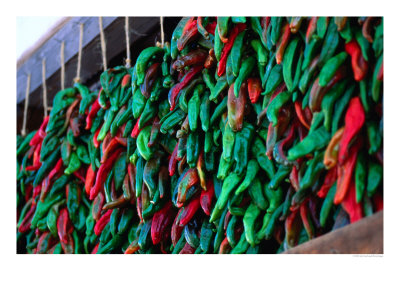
(329, 100)
(289, 65)
(243, 141)
(375, 175)
(219, 110)
(245, 70)
(327, 205)
(241, 246)
(376, 83)
(236, 53)
(249, 218)
(330, 43)
(221, 84)
(251, 172)
(262, 53)
(275, 105)
(194, 106)
(228, 186)
(340, 106)
(220, 231)
(315, 140)
(46, 166)
(279, 176)
(256, 194)
(274, 79)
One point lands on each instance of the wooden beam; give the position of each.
(362, 237)
(144, 32)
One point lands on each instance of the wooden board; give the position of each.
(144, 32)
(362, 237)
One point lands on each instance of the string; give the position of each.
(103, 43)
(128, 50)
(162, 31)
(78, 70)
(44, 88)
(28, 86)
(62, 65)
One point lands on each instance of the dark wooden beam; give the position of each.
(144, 31)
(362, 237)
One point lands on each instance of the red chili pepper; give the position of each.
(189, 179)
(97, 206)
(345, 173)
(126, 80)
(188, 33)
(173, 161)
(330, 179)
(293, 226)
(207, 196)
(64, 225)
(283, 42)
(294, 178)
(36, 191)
(358, 63)
(211, 27)
(90, 178)
(176, 229)
(92, 113)
(78, 174)
(102, 222)
(380, 73)
(28, 192)
(301, 114)
(161, 221)
(187, 249)
(312, 26)
(95, 141)
(254, 89)
(136, 130)
(36, 164)
(378, 202)
(225, 247)
(354, 120)
(306, 219)
(318, 92)
(228, 46)
(102, 173)
(26, 222)
(350, 204)
(110, 147)
(94, 251)
(189, 211)
(174, 91)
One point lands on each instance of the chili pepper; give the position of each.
(330, 43)
(245, 70)
(350, 205)
(254, 89)
(188, 33)
(174, 91)
(358, 63)
(46, 166)
(251, 172)
(207, 196)
(311, 28)
(149, 79)
(256, 194)
(375, 175)
(354, 120)
(206, 235)
(330, 179)
(142, 61)
(283, 42)
(241, 246)
(194, 57)
(236, 107)
(345, 172)
(238, 28)
(274, 80)
(205, 112)
(377, 78)
(313, 141)
(102, 173)
(228, 186)
(242, 147)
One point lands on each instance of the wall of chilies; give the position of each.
(240, 135)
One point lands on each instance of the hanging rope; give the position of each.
(62, 65)
(103, 43)
(44, 88)
(78, 70)
(128, 50)
(162, 31)
(28, 86)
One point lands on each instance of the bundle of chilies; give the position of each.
(242, 135)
